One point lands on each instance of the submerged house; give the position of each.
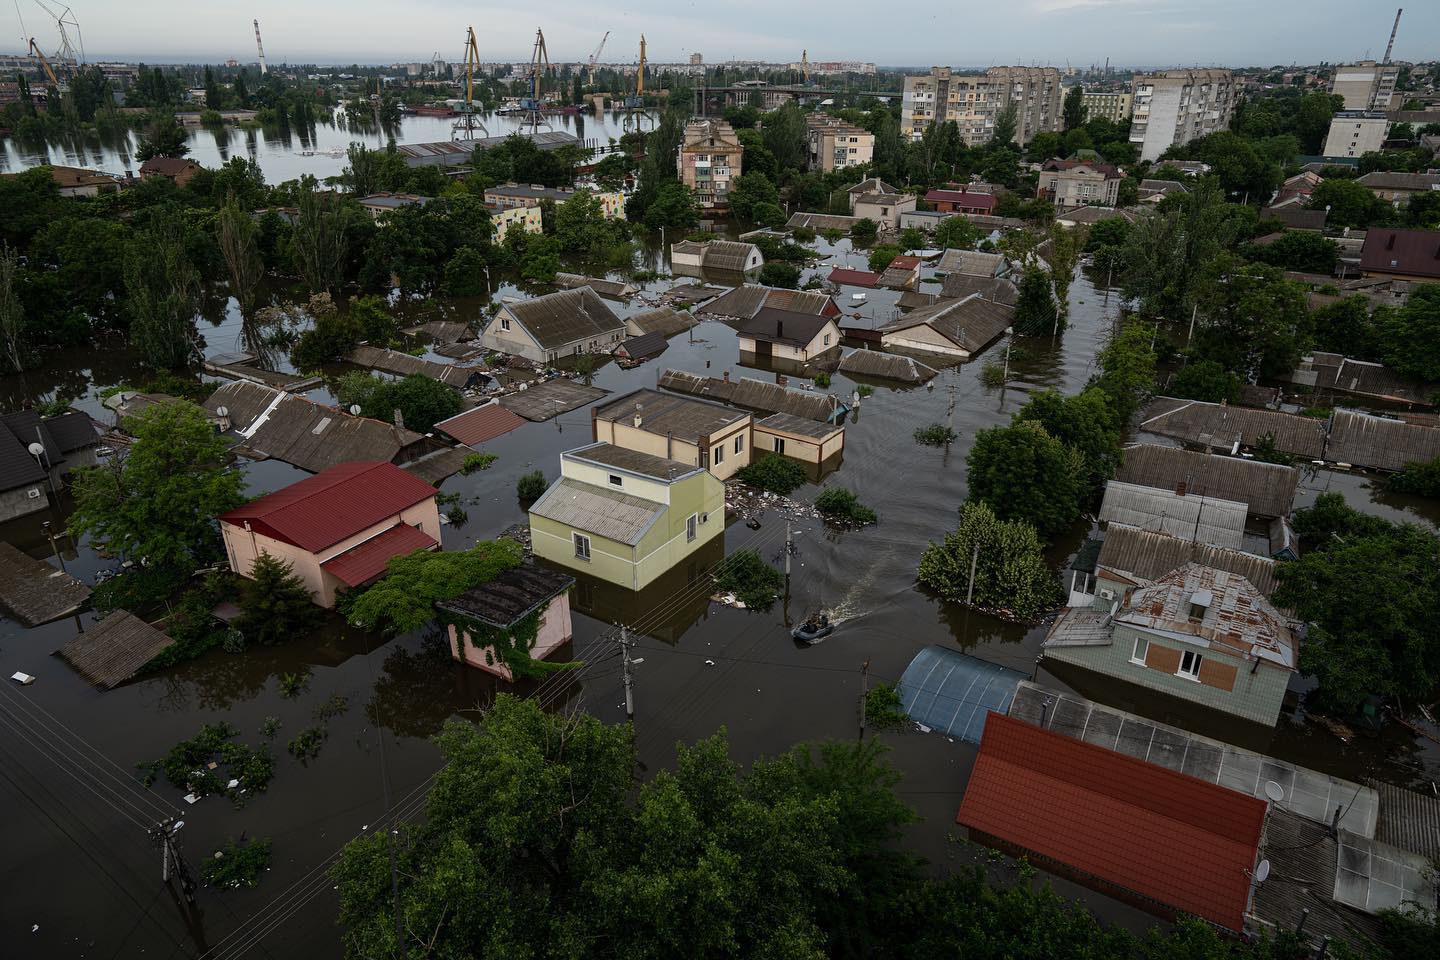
(952, 328)
(717, 256)
(625, 517)
(775, 334)
(1267, 489)
(505, 605)
(1197, 633)
(26, 479)
(554, 326)
(697, 432)
(337, 529)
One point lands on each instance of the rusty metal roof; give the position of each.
(1235, 616)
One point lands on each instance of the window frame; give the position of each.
(692, 527)
(581, 544)
(1197, 660)
(739, 443)
(1137, 655)
(616, 480)
(780, 445)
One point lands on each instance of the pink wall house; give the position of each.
(501, 604)
(338, 528)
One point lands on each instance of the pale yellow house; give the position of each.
(700, 433)
(624, 516)
(526, 219)
(512, 195)
(800, 438)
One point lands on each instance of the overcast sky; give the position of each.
(1080, 32)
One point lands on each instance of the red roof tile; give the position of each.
(481, 424)
(366, 561)
(1183, 842)
(340, 502)
(856, 278)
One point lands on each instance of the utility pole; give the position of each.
(625, 644)
(56, 550)
(164, 833)
(974, 558)
(950, 414)
(864, 689)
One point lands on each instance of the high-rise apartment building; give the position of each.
(709, 161)
(1114, 107)
(833, 144)
(1354, 133)
(1365, 85)
(974, 101)
(1178, 106)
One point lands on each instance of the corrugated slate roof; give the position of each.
(998, 289)
(565, 317)
(606, 288)
(510, 597)
(1149, 555)
(783, 326)
(644, 346)
(1408, 820)
(322, 510)
(1380, 442)
(1268, 488)
(605, 513)
(731, 255)
(817, 430)
(393, 361)
(745, 301)
(664, 320)
(1221, 425)
(1195, 517)
(481, 424)
(366, 561)
(1172, 838)
(971, 323)
(973, 263)
(687, 418)
(17, 467)
(113, 650)
(886, 366)
(755, 395)
(632, 461)
(34, 592)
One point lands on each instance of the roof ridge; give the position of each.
(330, 484)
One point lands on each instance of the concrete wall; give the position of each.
(555, 631)
(885, 214)
(625, 434)
(1355, 136)
(242, 547)
(725, 460)
(923, 338)
(19, 502)
(805, 449)
(1226, 681)
(598, 476)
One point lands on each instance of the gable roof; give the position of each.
(687, 418)
(167, 166)
(855, 278)
(772, 325)
(1388, 180)
(970, 323)
(1167, 836)
(481, 424)
(873, 185)
(644, 346)
(598, 510)
(337, 503)
(755, 394)
(1221, 425)
(67, 433)
(1380, 442)
(1387, 250)
(565, 316)
(637, 462)
(1235, 617)
(113, 650)
(1267, 488)
(975, 263)
(980, 201)
(664, 320)
(1150, 554)
(729, 255)
(887, 366)
(998, 289)
(1194, 517)
(744, 302)
(368, 559)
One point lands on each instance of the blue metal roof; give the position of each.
(950, 691)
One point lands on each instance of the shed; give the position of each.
(800, 438)
(405, 365)
(551, 398)
(953, 692)
(115, 649)
(1380, 443)
(434, 468)
(34, 592)
(481, 424)
(1267, 488)
(641, 348)
(1188, 516)
(664, 320)
(615, 289)
(886, 366)
(502, 604)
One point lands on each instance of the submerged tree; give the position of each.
(236, 232)
(1009, 564)
(12, 313)
(320, 237)
(162, 290)
(275, 604)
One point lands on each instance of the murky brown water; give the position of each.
(704, 666)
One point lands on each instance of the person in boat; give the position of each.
(816, 623)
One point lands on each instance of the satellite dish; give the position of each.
(1274, 791)
(355, 409)
(1262, 871)
(36, 449)
(222, 411)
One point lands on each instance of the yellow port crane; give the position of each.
(595, 57)
(45, 64)
(635, 106)
(533, 107)
(465, 126)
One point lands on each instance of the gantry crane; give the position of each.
(635, 106)
(532, 107)
(44, 64)
(465, 126)
(595, 57)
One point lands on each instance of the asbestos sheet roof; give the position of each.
(821, 221)
(1236, 617)
(816, 430)
(665, 413)
(1180, 841)
(633, 461)
(886, 366)
(755, 395)
(113, 650)
(1366, 379)
(17, 467)
(606, 288)
(281, 425)
(438, 465)
(1149, 555)
(510, 597)
(783, 327)
(481, 424)
(337, 503)
(605, 513)
(742, 303)
(953, 692)
(973, 263)
(551, 398)
(1304, 862)
(1379, 442)
(1408, 819)
(644, 346)
(1194, 517)
(34, 592)
(1221, 425)
(998, 289)
(366, 561)
(971, 324)
(664, 320)
(1267, 488)
(729, 255)
(565, 316)
(403, 364)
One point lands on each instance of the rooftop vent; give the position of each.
(1200, 601)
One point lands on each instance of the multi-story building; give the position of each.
(1354, 133)
(1079, 183)
(1365, 85)
(1114, 107)
(510, 195)
(697, 59)
(709, 161)
(1178, 106)
(834, 144)
(974, 101)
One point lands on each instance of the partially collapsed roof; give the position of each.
(742, 303)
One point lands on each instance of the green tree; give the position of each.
(674, 206)
(1025, 474)
(162, 290)
(1035, 311)
(1348, 327)
(404, 598)
(881, 255)
(1299, 250)
(1410, 336)
(531, 486)
(155, 503)
(750, 189)
(164, 138)
(1127, 369)
(1350, 204)
(1085, 423)
(319, 237)
(1169, 251)
(237, 233)
(779, 274)
(864, 230)
(1004, 133)
(581, 227)
(784, 135)
(421, 401)
(1252, 320)
(275, 604)
(1010, 569)
(957, 233)
(13, 337)
(1065, 246)
(1205, 380)
(465, 273)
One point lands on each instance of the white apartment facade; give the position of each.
(1177, 106)
(1356, 133)
(974, 101)
(1365, 85)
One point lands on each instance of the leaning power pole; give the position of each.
(260, 48)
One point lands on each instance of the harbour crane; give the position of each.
(45, 64)
(805, 67)
(532, 107)
(635, 106)
(465, 126)
(72, 50)
(1393, 30)
(260, 49)
(595, 57)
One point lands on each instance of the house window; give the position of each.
(582, 545)
(779, 444)
(827, 339)
(690, 522)
(1142, 647)
(720, 454)
(739, 442)
(505, 324)
(614, 480)
(1190, 665)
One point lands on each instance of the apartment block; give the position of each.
(1365, 85)
(974, 101)
(1177, 106)
(710, 161)
(833, 144)
(1114, 107)
(1354, 133)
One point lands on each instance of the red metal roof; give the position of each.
(481, 424)
(1183, 842)
(1414, 252)
(976, 201)
(340, 502)
(366, 561)
(856, 278)
(904, 262)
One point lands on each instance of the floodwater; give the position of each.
(318, 150)
(77, 819)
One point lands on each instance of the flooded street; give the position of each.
(76, 815)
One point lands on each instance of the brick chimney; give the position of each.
(1180, 488)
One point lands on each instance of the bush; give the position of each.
(992, 374)
(822, 379)
(803, 234)
(1205, 380)
(187, 765)
(865, 390)
(476, 461)
(753, 581)
(1010, 571)
(307, 743)
(777, 274)
(882, 706)
(842, 506)
(237, 865)
(1420, 478)
(864, 229)
(275, 604)
(531, 486)
(935, 435)
(1266, 452)
(775, 473)
(882, 255)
